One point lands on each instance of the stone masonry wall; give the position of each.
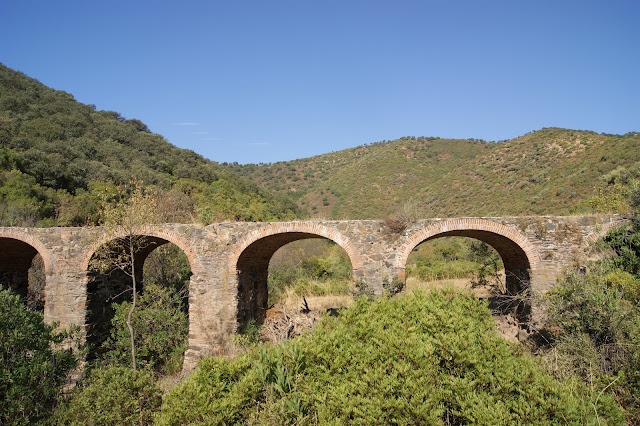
(544, 246)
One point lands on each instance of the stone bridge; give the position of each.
(229, 261)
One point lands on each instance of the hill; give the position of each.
(550, 171)
(56, 152)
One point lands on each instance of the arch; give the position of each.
(248, 263)
(149, 231)
(519, 256)
(310, 229)
(35, 243)
(602, 231)
(506, 240)
(103, 288)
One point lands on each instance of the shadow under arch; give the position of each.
(518, 254)
(248, 264)
(18, 249)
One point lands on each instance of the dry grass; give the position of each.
(168, 382)
(294, 303)
(287, 318)
(414, 284)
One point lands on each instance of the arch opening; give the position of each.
(281, 268)
(22, 271)
(162, 273)
(506, 294)
(464, 262)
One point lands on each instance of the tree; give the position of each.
(31, 371)
(125, 210)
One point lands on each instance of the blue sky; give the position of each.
(265, 81)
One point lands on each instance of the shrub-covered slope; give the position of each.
(53, 151)
(544, 172)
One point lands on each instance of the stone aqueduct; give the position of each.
(229, 261)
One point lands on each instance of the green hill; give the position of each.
(550, 171)
(56, 152)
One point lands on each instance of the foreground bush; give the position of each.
(113, 396)
(595, 325)
(422, 359)
(31, 372)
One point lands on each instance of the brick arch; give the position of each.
(33, 242)
(506, 238)
(310, 229)
(602, 231)
(248, 263)
(150, 231)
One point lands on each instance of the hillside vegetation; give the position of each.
(57, 155)
(550, 171)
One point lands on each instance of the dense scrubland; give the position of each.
(427, 357)
(58, 157)
(549, 171)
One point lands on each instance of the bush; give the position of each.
(31, 372)
(113, 396)
(596, 333)
(625, 244)
(594, 320)
(160, 331)
(419, 359)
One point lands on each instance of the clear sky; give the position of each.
(264, 81)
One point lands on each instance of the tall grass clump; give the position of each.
(419, 359)
(112, 396)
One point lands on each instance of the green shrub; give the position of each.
(113, 396)
(624, 282)
(160, 331)
(596, 332)
(31, 372)
(420, 359)
(624, 241)
(594, 320)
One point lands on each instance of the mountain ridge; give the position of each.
(548, 171)
(54, 150)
